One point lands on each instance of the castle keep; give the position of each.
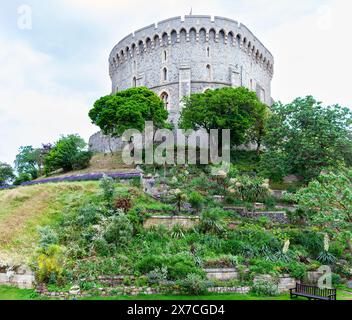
(177, 57)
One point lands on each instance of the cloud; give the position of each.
(312, 56)
(34, 107)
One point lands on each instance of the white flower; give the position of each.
(232, 190)
(222, 174)
(239, 185)
(326, 242)
(286, 247)
(177, 191)
(233, 181)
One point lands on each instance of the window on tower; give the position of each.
(165, 97)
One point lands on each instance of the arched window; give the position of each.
(212, 35)
(208, 72)
(183, 35)
(193, 35)
(165, 97)
(134, 82)
(173, 37)
(165, 74)
(165, 55)
(202, 36)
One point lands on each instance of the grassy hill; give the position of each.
(22, 210)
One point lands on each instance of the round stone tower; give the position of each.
(177, 57)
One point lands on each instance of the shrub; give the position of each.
(47, 237)
(210, 221)
(107, 185)
(101, 247)
(196, 200)
(23, 177)
(326, 257)
(81, 160)
(124, 204)
(264, 288)
(158, 275)
(149, 263)
(193, 285)
(177, 232)
(249, 189)
(49, 264)
(119, 231)
(88, 215)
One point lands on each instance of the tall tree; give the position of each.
(128, 109)
(308, 137)
(328, 202)
(226, 108)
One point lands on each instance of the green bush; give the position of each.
(107, 186)
(264, 288)
(67, 154)
(48, 264)
(149, 263)
(119, 230)
(196, 200)
(47, 237)
(211, 222)
(81, 160)
(193, 285)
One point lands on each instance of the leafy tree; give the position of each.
(257, 132)
(128, 109)
(308, 137)
(6, 174)
(68, 153)
(30, 161)
(237, 109)
(328, 202)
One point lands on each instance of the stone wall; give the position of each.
(222, 274)
(284, 282)
(170, 221)
(20, 277)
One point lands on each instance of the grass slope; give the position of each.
(23, 209)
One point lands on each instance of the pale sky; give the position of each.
(51, 74)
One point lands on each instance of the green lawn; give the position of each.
(9, 293)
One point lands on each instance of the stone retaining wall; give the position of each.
(170, 221)
(284, 282)
(241, 290)
(19, 277)
(221, 274)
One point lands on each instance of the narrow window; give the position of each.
(208, 72)
(165, 97)
(165, 55)
(134, 83)
(165, 74)
(208, 52)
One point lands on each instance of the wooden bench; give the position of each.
(312, 292)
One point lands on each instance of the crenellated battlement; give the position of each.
(205, 29)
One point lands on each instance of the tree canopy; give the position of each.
(6, 174)
(30, 161)
(68, 153)
(328, 202)
(128, 109)
(237, 109)
(305, 137)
